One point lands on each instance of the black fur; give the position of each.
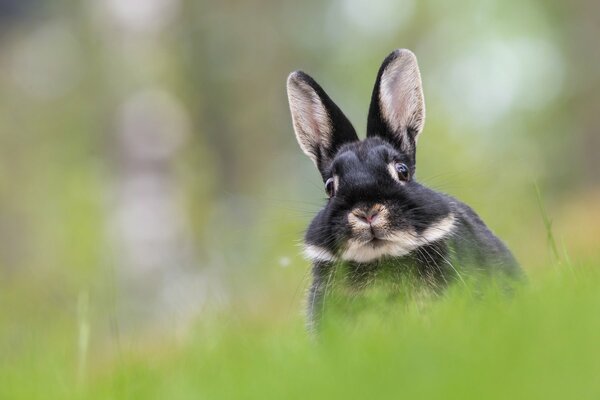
(362, 169)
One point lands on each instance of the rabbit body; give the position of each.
(377, 214)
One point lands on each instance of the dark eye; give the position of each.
(403, 172)
(330, 187)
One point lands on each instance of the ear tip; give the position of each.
(399, 60)
(401, 54)
(404, 52)
(296, 77)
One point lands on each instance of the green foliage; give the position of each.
(539, 342)
(512, 95)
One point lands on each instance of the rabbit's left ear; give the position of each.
(397, 111)
(320, 126)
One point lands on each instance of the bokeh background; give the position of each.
(149, 175)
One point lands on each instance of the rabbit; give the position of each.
(376, 211)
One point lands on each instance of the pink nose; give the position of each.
(367, 216)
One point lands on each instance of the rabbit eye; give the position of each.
(330, 187)
(403, 172)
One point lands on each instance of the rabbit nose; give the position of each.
(368, 216)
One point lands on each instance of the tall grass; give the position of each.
(542, 341)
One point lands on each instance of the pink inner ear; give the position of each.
(312, 124)
(401, 95)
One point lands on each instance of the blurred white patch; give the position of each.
(143, 15)
(542, 72)
(47, 62)
(386, 17)
(488, 80)
(284, 262)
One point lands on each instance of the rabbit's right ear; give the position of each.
(320, 126)
(397, 111)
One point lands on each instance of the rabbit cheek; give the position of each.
(409, 239)
(316, 253)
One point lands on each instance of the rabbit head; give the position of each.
(375, 207)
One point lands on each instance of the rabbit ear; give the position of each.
(320, 126)
(397, 111)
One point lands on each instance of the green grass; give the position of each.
(541, 342)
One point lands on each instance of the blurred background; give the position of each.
(149, 174)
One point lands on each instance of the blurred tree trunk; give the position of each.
(160, 283)
(585, 79)
(235, 89)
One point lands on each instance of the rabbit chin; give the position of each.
(395, 244)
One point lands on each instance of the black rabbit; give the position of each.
(377, 213)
